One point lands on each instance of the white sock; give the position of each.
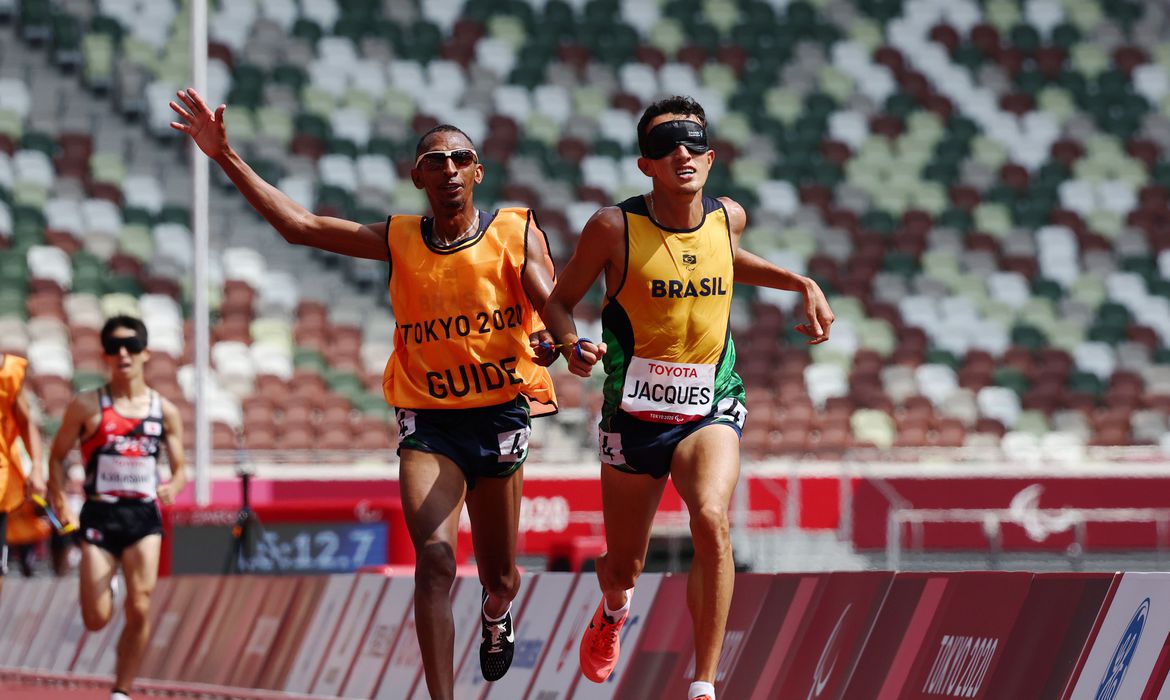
(504, 614)
(621, 612)
(119, 696)
(701, 688)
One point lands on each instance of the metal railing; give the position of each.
(1048, 521)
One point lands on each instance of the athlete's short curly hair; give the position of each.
(677, 104)
(421, 148)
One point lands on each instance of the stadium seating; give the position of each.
(980, 187)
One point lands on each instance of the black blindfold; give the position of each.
(133, 345)
(661, 141)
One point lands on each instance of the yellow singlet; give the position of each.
(463, 318)
(670, 358)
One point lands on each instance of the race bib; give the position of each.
(668, 392)
(610, 447)
(513, 444)
(406, 423)
(121, 476)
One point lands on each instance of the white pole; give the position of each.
(199, 230)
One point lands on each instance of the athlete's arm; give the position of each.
(602, 236)
(77, 414)
(538, 279)
(32, 443)
(173, 430)
(293, 222)
(758, 272)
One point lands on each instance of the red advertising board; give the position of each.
(665, 646)
(960, 653)
(837, 628)
(746, 614)
(939, 635)
(1057, 618)
(1038, 516)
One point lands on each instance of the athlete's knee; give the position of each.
(435, 566)
(619, 574)
(94, 619)
(502, 583)
(711, 529)
(137, 610)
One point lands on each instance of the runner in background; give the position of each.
(123, 428)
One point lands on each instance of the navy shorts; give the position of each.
(114, 526)
(641, 447)
(491, 441)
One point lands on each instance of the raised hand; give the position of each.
(197, 121)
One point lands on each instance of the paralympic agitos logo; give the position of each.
(828, 660)
(1123, 654)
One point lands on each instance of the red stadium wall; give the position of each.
(865, 635)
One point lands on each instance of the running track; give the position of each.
(12, 690)
(18, 685)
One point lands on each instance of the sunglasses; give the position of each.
(437, 160)
(113, 346)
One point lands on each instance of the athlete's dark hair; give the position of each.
(442, 128)
(677, 104)
(116, 322)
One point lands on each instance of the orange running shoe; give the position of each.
(601, 645)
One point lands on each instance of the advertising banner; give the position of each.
(746, 612)
(1129, 644)
(309, 537)
(23, 622)
(226, 631)
(355, 619)
(61, 603)
(561, 667)
(66, 652)
(567, 643)
(173, 615)
(305, 600)
(1055, 622)
(790, 601)
(309, 658)
(260, 637)
(465, 610)
(665, 647)
(385, 628)
(532, 625)
(838, 626)
(404, 667)
(1039, 517)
